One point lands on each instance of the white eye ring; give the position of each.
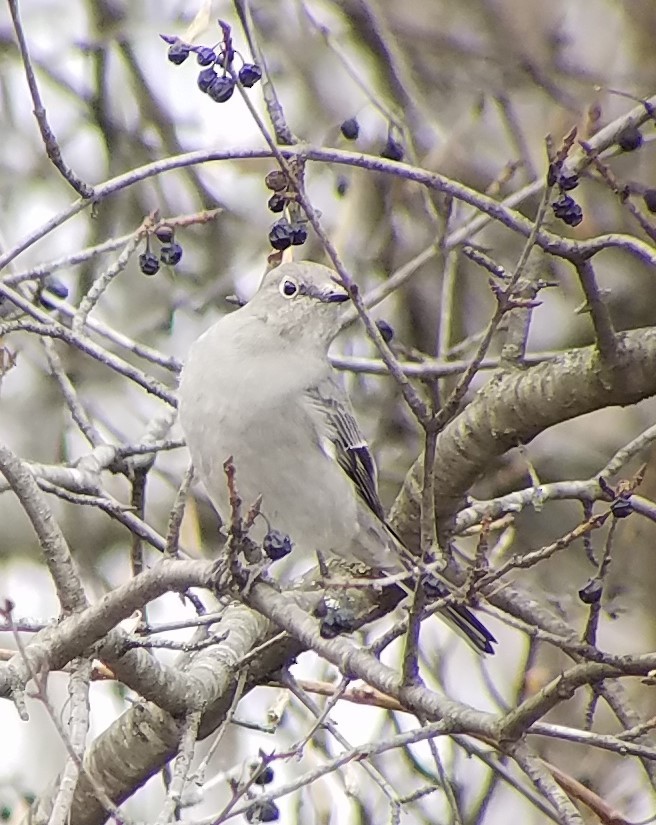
(288, 288)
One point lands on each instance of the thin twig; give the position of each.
(601, 320)
(47, 135)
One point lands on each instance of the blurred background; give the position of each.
(470, 89)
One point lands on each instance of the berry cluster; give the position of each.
(170, 252)
(290, 230)
(219, 86)
(565, 207)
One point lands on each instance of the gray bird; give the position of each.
(258, 386)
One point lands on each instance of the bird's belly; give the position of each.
(305, 494)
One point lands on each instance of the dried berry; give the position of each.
(393, 149)
(649, 198)
(276, 202)
(263, 810)
(342, 186)
(206, 78)
(178, 50)
(205, 56)
(629, 138)
(298, 234)
(149, 263)
(591, 592)
(171, 254)
(350, 129)
(52, 286)
(568, 182)
(568, 210)
(280, 235)
(385, 330)
(249, 74)
(164, 233)
(222, 89)
(621, 507)
(277, 545)
(265, 776)
(276, 181)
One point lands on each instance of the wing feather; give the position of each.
(336, 422)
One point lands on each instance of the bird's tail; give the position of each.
(465, 623)
(459, 617)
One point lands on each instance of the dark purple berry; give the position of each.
(299, 234)
(568, 210)
(265, 776)
(591, 592)
(222, 89)
(277, 545)
(276, 181)
(164, 233)
(385, 330)
(280, 236)
(350, 129)
(629, 138)
(276, 202)
(178, 52)
(171, 254)
(621, 507)
(149, 263)
(249, 74)
(342, 186)
(205, 56)
(52, 286)
(263, 810)
(568, 182)
(206, 78)
(393, 150)
(649, 198)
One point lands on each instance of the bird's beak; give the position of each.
(336, 296)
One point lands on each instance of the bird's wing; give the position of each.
(340, 435)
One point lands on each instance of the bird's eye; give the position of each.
(288, 288)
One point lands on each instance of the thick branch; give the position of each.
(512, 408)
